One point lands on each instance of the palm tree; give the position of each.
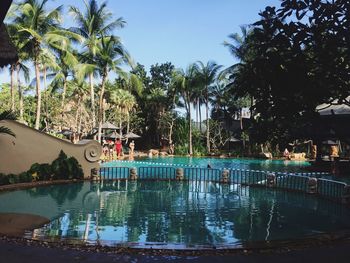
(186, 82)
(132, 83)
(124, 102)
(207, 74)
(12, 85)
(40, 28)
(237, 47)
(110, 55)
(92, 25)
(21, 67)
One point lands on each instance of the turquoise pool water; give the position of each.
(219, 163)
(173, 214)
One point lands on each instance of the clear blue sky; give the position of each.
(179, 31)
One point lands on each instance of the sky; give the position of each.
(176, 31)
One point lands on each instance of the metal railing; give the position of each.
(331, 189)
(289, 181)
(159, 173)
(292, 182)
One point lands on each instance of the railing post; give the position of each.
(271, 180)
(225, 176)
(312, 185)
(179, 174)
(94, 174)
(133, 174)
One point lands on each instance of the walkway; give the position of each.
(19, 253)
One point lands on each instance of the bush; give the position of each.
(61, 168)
(66, 168)
(4, 179)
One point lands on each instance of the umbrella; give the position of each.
(131, 135)
(66, 132)
(233, 139)
(112, 135)
(108, 126)
(330, 142)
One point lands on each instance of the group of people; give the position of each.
(110, 147)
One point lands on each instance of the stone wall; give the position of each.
(17, 154)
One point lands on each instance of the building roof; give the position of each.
(4, 7)
(334, 109)
(8, 53)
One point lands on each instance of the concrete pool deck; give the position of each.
(12, 252)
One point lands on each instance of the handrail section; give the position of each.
(330, 189)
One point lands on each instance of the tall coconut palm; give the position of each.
(21, 67)
(40, 28)
(23, 56)
(186, 82)
(12, 85)
(124, 102)
(207, 74)
(95, 22)
(132, 83)
(110, 55)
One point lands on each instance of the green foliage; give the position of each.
(290, 65)
(181, 149)
(66, 168)
(62, 168)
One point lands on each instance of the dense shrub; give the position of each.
(61, 168)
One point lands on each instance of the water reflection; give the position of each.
(190, 214)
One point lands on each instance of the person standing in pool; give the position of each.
(118, 147)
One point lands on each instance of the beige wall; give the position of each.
(17, 154)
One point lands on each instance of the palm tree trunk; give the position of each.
(207, 115)
(200, 118)
(101, 108)
(128, 122)
(77, 114)
(20, 94)
(171, 128)
(47, 117)
(197, 114)
(92, 97)
(104, 112)
(64, 93)
(190, 127)
(120, 125)
(38, 93)
(12, 69)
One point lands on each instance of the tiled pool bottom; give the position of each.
(174, 214)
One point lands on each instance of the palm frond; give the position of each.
(5, 130)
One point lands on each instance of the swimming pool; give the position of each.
(169, 214)
(219, 163)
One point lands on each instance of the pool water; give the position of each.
(218, 163)
(173, 214)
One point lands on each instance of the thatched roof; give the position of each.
(4, 7)
(8, 53)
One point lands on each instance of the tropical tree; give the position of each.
(40, 28)
(124, 102)
(207, 75)
(110, 55)
(96, 21)
(186, 82)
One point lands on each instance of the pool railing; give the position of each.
(306, 182)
